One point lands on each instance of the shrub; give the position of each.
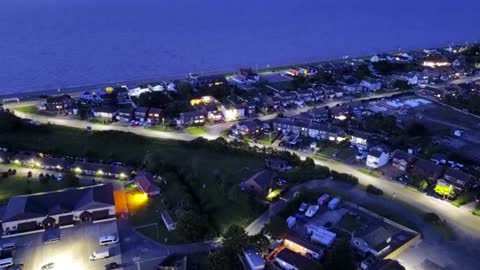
(431, 217)
(374, 190)
(343, 177)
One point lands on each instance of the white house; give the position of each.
(377, 158)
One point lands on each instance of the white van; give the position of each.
(8, 246)
(6, 263)
(108, 240)
(99, 254)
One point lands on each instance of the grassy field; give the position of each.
(27, 109)
(17, 185)
(196, 130)
(213, 177)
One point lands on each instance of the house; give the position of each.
(287, 97)
(371, 85)
(212, 112)
(277, 164)
(169, 222)
(458, 179)
(250, 127)
(289, 260)
(26, 160)
(121, 95)
(360, 139)
(308, 129)
(59, 103)
(137, 91)
(260, 183)
(140, 113)
(306, 95)
(89, 97)
(427, 169)
(146, 183)
(37, 212)
(51, 163)
(253, 259)
(374, 242)
(154, 116)
(303, 247)
(377, 157)
(105, 112)
(233, 112)
(125, 114)
(316, 115)
(192, 118)
(250, 108)
(100, 170)
(402, 160)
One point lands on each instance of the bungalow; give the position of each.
(37, 212)
(260, 183)
(105, 112)
(377, 157)
(402, 160)
(253, 259)
(125, 114)
(147, 184)
(289, 260)
(169, 222)
(459, 180)
(277, 164)
(427, 169)
(100, 170)
(153, 115)
(192, 118)
(59, 103)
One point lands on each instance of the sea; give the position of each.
(50, 44)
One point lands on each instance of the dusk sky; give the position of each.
(49, 44)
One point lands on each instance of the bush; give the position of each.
(374, 190)
(464, 199)
(343, 177)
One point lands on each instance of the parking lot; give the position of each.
(71, 252)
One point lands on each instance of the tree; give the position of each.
(153, 99)
(219, 261)
(191, 226)
(235, 239)
(277, 227)
(184, 90)
(340, 257)
(260, 242)
(416, 130)
(70, 178)
(401, 84)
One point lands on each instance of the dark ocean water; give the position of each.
(48, 44)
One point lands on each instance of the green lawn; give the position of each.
(27, 109)
(162, 128)
(346, 154)
(465, 198)
(369, 172)
(212, 176)
(18, 185)
(103, 121)
(196, 130)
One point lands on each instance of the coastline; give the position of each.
(76, 90)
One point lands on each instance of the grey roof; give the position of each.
(375, 153)
(427, 168)
(455, 174)
(146, 183)
(264, 178)
(57, 202)
(399, 154)
(377, 238)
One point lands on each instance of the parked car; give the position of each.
(48, 266)
(59, 177)
(112, 265)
